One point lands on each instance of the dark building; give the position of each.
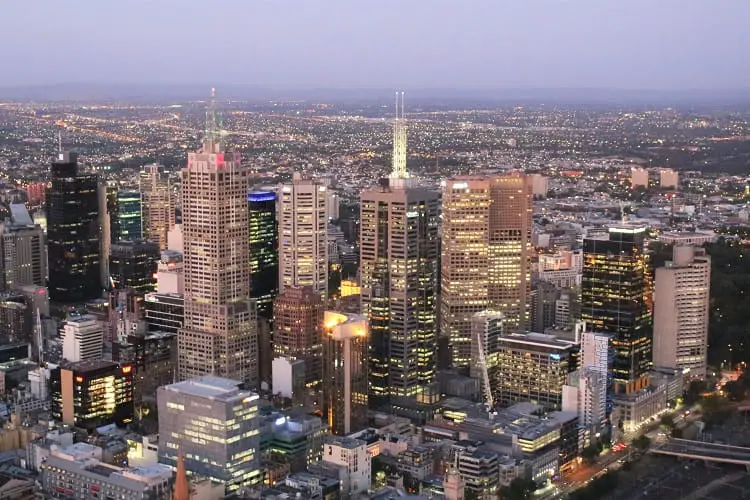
(616, 298)
(154, 357)
(133, 264)
(264, 251)
(73, 234)
(15, 325)
(89, 394)
(128, 216)
(164, 312)
(113, 213)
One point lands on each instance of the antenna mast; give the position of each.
(399, 141)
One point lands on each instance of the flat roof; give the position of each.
(211, 387)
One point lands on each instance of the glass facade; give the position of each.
(264, 251)
(133, 264)
(128, 215)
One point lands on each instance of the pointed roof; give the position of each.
(181, 484)
(212, 138)
(399, 140)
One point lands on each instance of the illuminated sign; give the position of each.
(79, 379)
(261, 196)
(412, 214)
(127, 369)
(460, 185)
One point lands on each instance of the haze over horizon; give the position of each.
(482, 44)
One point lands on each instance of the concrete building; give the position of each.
(164, 312)
(92, 393)
(170, 273)
(352, 457)
(486, 255)
(668, 178)
(539, 185)
(687, 238)
(24, 250)
(214, 425)
(219, 335)
(681, 301)
(638, 177)
(487, 327)
(303, 244)
(345, 383)
(298, 324)
(157, 204)
(66, 476)
(82, 339)
(533, 367)
(563, 269)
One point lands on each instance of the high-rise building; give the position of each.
(486, 256)
(82, 339)
(170, 274)
(298, 320)
(15, 322)
(352, 457)
(92, 393)
(681, 300)
(164, 312)
(534, 367)
(157, 204)
(133, 264)
(303, 236)
(345, 372)
(112, 218)
(73, 233)
(264, 251)
(487, 328)
(213, 425)
(220, 332)
(616, 298)
(129, 215)
(399, 249)
(23, 251)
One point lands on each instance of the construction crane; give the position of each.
(485, 375)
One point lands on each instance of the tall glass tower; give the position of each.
(616, 298)
(264, 251)
(129, 215)
(73, 232)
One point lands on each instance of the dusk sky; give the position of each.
(469, 44)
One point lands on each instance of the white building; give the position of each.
(681, 300)
(638, 177)
(170, 277)
(352, 456)
(563, 269)
(82, 339)
(303, 234)
(668, 178)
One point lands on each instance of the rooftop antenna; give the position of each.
(212, 139)
(399, 140)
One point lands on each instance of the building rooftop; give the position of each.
(539, 340)
(91, 365)
(211, 387)
(344, 442)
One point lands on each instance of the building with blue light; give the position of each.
(264, 251)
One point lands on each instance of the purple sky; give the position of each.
(618, 44)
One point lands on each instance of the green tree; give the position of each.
(735, 390)
(519, 489)
(667, 421)
(590, 453)
(694, 391)
(642, 442)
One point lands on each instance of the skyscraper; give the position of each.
(398, 256)
(133, 264)
(264, 251)
(298, 330)
(24, 252)
(157, 204)
(681, 300)
(129, 215)
(303, 235)
(486, 256)
(220, 332)
(345, 372)
(73, 233)
(616, 298)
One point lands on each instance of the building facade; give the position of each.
(133, 264)
(82, 339)
(129, 215)
(214, 426)
(157, 204)
(220, 332)
(24, 250)
(264, 251)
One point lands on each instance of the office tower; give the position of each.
(586, 391)
(113, 217)
(303, 244)
(297, 334)
(485, 255)
(170, 273)
(352, 458)
(65, 475)
(82, 339)
(15, 322)
(89, 394)
(345, 372)
(398, 265)
(681, 300)
(264, 251)
(124, 315)
(164, 312)
(668, 178)
(567, 309)
(73, 234)
(543, 302)
(616, 298)
(487, 328)
(563, 269)
(220, 332)
(213, 425)
(128, 215)
(133, 264)
(534, 367)
(638, 177)
(157, 204)
(24, 250)
(154, 359)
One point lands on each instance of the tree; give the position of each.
(667, 421)
(642, 442)
(694, 391)
(590, 453)
(735, 390)
(519, 489)
(715, 410)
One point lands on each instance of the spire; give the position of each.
(212, 138)
(181, 484)
(399, 141)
